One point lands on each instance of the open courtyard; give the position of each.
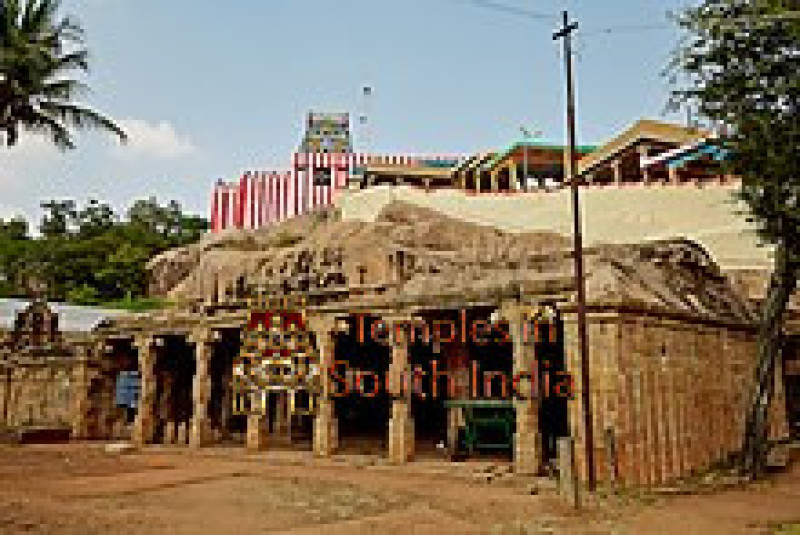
(82, 488)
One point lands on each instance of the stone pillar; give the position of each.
(494, 176)
(513, 178)
(165, 409)
(616, 166)
(643, 154)
(527, 437)
(568, 485)
(257, 432)
(572, 359)
(401, 423)
(182, 430)
(203, 341)
(401, 433)
(325, 423)
(258, 422)
(326, 432)
(674, 176)
(170, 432)
(82, 407)
(145, 425)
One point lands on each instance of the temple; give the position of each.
(419, 296)
(649, 153)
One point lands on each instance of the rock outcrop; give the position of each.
(410, 253)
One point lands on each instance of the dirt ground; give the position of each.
(80, 488)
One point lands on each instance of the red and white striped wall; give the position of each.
(262, 198)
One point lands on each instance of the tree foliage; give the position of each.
(741, 59)
(88, 255)
(39, 55)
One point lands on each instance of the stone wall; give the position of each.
(670, 391)
(611, 215)
(37, 394)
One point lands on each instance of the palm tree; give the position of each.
(39, 54)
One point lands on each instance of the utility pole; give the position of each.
(527, 135)
(565, 34)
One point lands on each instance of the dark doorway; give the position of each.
(228, 424)
(548, 334)
(114, 393)
(362, 402)
(504, 180)
(175, 369)
(429, 384)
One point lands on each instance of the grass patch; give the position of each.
(138, 304)
(788, 529)
(284, 239)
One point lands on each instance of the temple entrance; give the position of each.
(504, 180)
(362, 402)
(228, 426)
(553, 389)
(470, 183)
(114, 393)
(484, 181)
(488, 412)
(429, 383)
(174, 369)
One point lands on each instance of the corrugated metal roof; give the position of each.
(508, 151)
(70, 318)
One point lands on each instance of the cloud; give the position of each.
(152, 139)
(31, 155)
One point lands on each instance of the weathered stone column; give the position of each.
(257, 432)
(401, 423)
(82, 403)
(572, 359)
(513, 179)
(674, 175)
(170, 431)
(616, 166)
(145, 425)
(258, 422)
(325, 423)
(527, 437)
(494, 177)
(643, 154)
(200, 434)
(165, 410)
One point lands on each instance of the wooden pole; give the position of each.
(565, 33)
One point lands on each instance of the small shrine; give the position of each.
(277, 372)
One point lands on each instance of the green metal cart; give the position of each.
(488, 425)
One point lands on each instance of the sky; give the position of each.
(208, 89)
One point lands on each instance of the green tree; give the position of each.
(167, 221)
(14, 241)
(39, 54)
(59, 218)
(742, 58)
(96, 218)
(86, 255)
(15, 228)
(83, 295)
